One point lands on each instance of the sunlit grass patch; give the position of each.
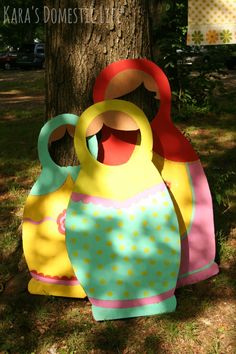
(31, 82)
(227, 251)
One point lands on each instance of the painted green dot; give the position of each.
(119, 282)
(167, 263)
(108, 229)
(151, 284)
(137, 283)
(152, 261)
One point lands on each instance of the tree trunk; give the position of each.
(76, 53)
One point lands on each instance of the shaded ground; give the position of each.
(205, 318)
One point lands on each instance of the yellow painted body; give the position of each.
(177, 176)
(44, 246)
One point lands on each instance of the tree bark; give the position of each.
(76, 53)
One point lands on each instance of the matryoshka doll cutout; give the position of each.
(44, 218)
(121, 228)
(175, 159)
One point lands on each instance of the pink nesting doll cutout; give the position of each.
(173, 156)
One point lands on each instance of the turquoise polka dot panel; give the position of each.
(126, 255)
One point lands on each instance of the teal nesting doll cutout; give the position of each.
(121, 228)
(44, 219)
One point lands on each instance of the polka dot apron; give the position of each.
(121, 228)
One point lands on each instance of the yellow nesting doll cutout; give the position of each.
(44, 221)
(121, 228)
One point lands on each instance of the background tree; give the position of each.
(76, 53)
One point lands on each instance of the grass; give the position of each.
(204, 321)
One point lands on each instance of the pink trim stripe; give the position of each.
(132, 303)
(77, 197)
(198, 248)
(54, 281)
(199, 276)
(47, 218)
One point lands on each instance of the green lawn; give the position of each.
(204, 321)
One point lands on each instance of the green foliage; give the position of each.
(189, 68)
(220, 181)
(225, 251)
(19, 28)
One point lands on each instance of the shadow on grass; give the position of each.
(38, 323)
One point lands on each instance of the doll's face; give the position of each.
(129, 80)
(113, 119)
(60, 132)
